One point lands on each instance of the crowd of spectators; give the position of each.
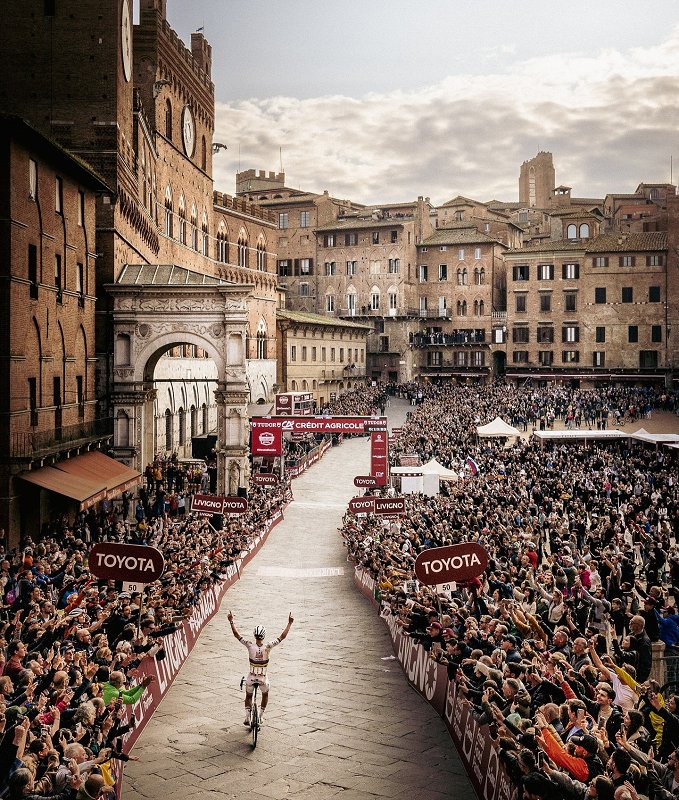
(73, 648)
(554, 645)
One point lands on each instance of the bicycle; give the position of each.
(254, 713)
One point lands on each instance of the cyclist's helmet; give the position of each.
(259, 632)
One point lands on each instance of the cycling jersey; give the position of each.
(259, 656)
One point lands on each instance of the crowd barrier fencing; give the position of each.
(179, 644)
(295, 468)
(478, 752)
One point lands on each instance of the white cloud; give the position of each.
(610, 119)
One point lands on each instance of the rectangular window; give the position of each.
(384, 345)
(304, 353)
(499, 336)
(59, 195)
(284, 267)
(545, 303)
(394, 237)
(393, 301)
(304, 290)
(375, 301)
(461, 358)
(351, 267)
(570, 301)
(632, 334)
(477, 253)
(423, 273)
(329, 240)
(545, 334)
(598, 358)
(600, 295)
(80, 396)
(283, 220)
(330, 268)
(570, 333)
(435, 359)
(600, 334)
(656, 333)
(520, 335)
(570, 272)
(653, 294)
(423, 305)
(486, 227)
(304, 219)
(460, 254)
(33, 401)
(570, 356)
(520, 356)
(394, 266)
(342, 354)
(443, 248)
(478, 358)
(81, 208)
(545, 272)
(313, 353)
(520, 303)
(648, 359)
(376, 237)
(654, 261)
(545, 358)
(305, 265)
(627, 294)
(351, 304)
(601, 261)
(33, 270)
(324, 355)
(32, 178)
(443, 272)
(626, 261)
(330, 303)
(350, 239)
(332, 353)
(293, 352)
(520, 272)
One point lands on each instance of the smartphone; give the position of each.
(540, 759)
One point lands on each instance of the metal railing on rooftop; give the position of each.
(33, 444)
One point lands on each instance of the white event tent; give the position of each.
(424, 478)
(498, 427)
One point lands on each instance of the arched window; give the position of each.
(305, 385)
(584, 231)
(203, 154)
(194, 421)
(242, 250)
(464, 308)
(293, 386)
(194, 226)
(205, 421)
(459, 277)
(476, 276)
(182, 427)
(182, 219)
(375, 298)
(482, 276)
(261, 256)
(464, 276)
(572, 232)
(261, 339)
(168, 212)
(168, 119)
(482, 308)
(222, 253)
(204, 232)
(476, 308)
(169, 440)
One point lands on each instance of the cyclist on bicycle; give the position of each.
(259, 661)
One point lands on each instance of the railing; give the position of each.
(40, 443)
(456, 338)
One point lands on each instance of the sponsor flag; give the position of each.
(473, 466)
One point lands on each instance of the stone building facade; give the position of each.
(47, 312)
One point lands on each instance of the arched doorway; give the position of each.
(156, 309)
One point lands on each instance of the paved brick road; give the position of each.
(342, 721)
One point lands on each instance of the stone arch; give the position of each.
(150, 354)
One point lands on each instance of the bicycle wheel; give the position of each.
(254, 723)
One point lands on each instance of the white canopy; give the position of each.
(498, 427)
(434, 468)
(654, 438)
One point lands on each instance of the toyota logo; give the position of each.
(266, 438)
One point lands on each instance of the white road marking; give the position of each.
(291, 572)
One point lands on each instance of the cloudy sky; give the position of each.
(385, 100)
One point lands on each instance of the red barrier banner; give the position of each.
(362, 505)
(318, 424)
(365, 481)
(264, 479)
(477, 750)
(379, 465)
(388, 506)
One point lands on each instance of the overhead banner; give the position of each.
(379, 465)
(317, 425)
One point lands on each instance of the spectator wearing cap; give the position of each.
(583, 763)
(511, 651)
